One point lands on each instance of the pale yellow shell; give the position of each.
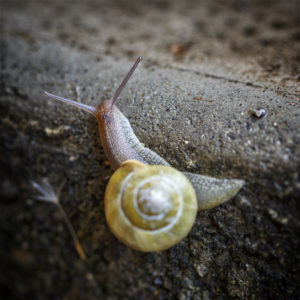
(149, 208)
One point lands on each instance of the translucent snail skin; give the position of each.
(128, 156)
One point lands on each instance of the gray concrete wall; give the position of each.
(207, 66)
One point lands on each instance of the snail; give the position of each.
(148, 225)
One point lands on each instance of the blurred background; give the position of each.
(195, 52)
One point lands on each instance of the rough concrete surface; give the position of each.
(208, 66)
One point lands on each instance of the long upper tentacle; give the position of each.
(87, 108)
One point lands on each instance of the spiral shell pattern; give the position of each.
(149, 208)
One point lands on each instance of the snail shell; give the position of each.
(149, 208)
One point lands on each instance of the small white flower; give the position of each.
(47, 192)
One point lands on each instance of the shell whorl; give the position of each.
(149, 208)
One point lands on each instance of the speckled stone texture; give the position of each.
(208, 66)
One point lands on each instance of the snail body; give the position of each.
(118, 139)
(120, 145)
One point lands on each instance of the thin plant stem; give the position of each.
(48, 195)
(76, 242)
